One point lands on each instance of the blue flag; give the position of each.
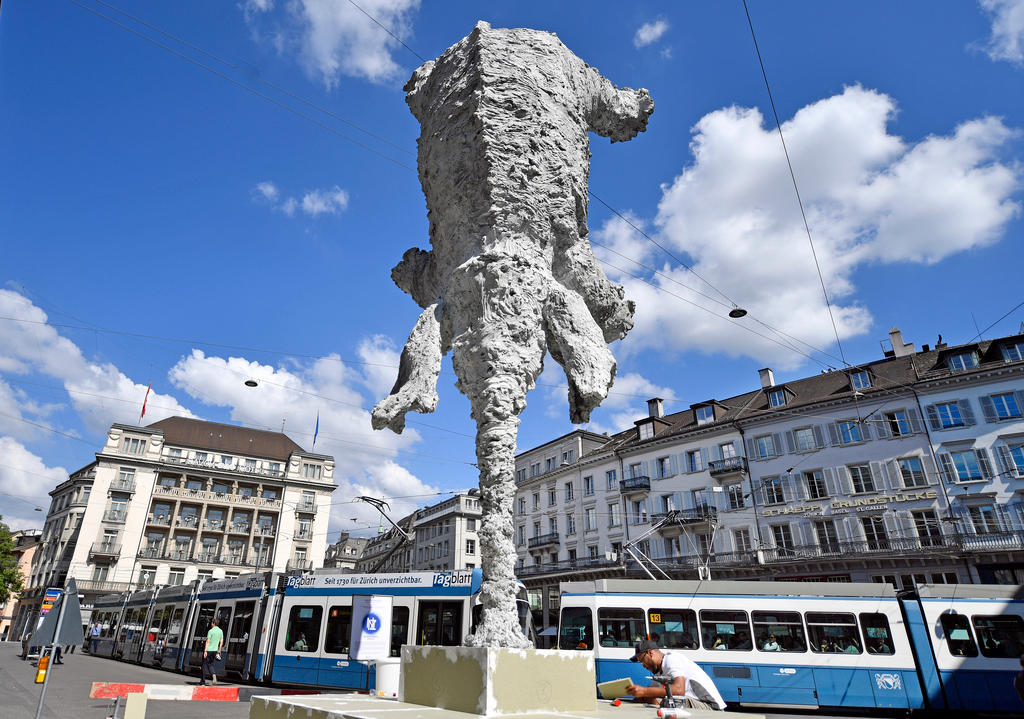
(317, 430)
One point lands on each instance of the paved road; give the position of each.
(67, 694)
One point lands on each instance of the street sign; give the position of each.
(70, 626)
(371, 627)
(49, 599)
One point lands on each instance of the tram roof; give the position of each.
(970, 591)
(649, 586)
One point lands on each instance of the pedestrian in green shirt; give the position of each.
(212, 663)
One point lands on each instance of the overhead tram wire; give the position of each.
(978, 336)
(387, 30)
(242, 85)
(304, 116)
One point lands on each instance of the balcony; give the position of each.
(306, 505)
(217, 497)
(239, 528)
(179, 555)
(265, 530)
(543, 540)
(237, 560)
(635, 485)
(105, 549)
(160, 520)
(115, 515)
(678, 519)
(298, 565)
(728, 471)
(305, 536)
(213, 525)
(569, 565)
(95, 586)
(187, 521)
(208, 557)
(154, 552)
(218, 466)
(122, 485)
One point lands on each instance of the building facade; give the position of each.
(26, 543)
(183, 499)
(345, 553)
(905, 470)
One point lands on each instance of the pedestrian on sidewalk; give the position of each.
(212, 663)
(94, 637)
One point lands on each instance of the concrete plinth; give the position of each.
(494, 682)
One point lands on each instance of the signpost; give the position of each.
(61, 627)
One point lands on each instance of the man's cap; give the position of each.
(645, 646)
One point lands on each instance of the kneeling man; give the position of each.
(690, 684)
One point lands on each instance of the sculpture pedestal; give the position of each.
(493, 682)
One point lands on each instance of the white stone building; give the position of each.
(181, 499)
(906, 469)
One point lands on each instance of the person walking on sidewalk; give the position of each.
(212, 663)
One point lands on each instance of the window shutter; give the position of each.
(842, 531)
(984, 462)
(786, 482)
(673, 467)
(906, 523)
(762, 493)
(865, 431)
(750, 449)
(931, 473)
(777, 441)
(844, 483)
(881, 427)
(1020, 400)
(1006, 463)
(915, 420)
(933, 417)
(948, 470)
(895, 476)
(800, 489)
(716, 452)
(644, 469)
(987, 408)
(891, 530)
(833, 434)
(877, 475)
(819, 440)
(967, 412)
(854, 529)
(704, 456)
(806, 536)
(830, 482)
(790, 441)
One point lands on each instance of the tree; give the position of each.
(11, 581)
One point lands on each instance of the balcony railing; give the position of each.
(304, 535)
(221, 497)
(727, 466)
(208, 557)
(105, 549)
(214, 525)
(543, 540)
(234, 467)
(163, 520)
(237, 528)
(187, 521)
(306, 505)
(265, 530)
(298, 565)
(237, 560)
(151, 552)
(122, 485)
(635, 484)
(95, 586)
(115, 515)
(696, 515)
(567, 565)
(180, 555)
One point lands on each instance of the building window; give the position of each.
(705, 414)
(1013, 352)
(741, 540)
(536, 500)
(522, 505)
(570, 524)
(226, 459)
(700, 500)
(874, 532)
(668, 503)
(176, 577)
(590, 517)
(969, 466)
(694, 461)
(552, 525)
(588, 486)
(471, 525)
(950, 414)
(663, 467)
(816, 486)
(614, 518)
(849, 431)
(860, 475)
(1006, 406)
(646, 430)
(569, 456)
(765, 446)
(568, 491)
(897, 423)
(522, 534)
(860, 379)
(828, 538)
(773, 491)
(736, 498)
(639, 513)
(912, 472)
(612, 476)
(962, 361)
(552, 497)
(804, 439)
(520, 475)
(470, 546)
(133, 445)
(535, 469)
(549, 464)
(174, 453)
(927, 525)
(983, 518)
(728, 450)
(311, 471)
(783, 536)
(777, 398)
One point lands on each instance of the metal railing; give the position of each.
(265, 530)
(234, 467)
(729, 465)
(163, 520)
(306, 505)
(105, 549)
(189, 521)
(303, 535)
(115, 515)
(237, 528)
(211, 496)
(298, 565)
(102, 587)
(123, 485)
(695, 515)
(151, 552)
(543, 540)
(635, 484)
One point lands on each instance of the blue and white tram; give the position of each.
(312, 641)
(969, 638)
(169, 616)
(108, 611)
(762, 643)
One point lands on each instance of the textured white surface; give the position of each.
(504, 158)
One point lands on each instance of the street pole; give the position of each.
(56, 638)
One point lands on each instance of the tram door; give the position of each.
(238, 638)
(439, 623)
(207, 611)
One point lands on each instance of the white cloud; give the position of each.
(381, 369)
(314, 203)
(335, 39)
(100, 393)
(870, 197)
(1007, 40)
(650, 32)
(24, 482)
(627, 402)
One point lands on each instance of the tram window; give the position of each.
(779, 631)
(303, 633)
(674, 628)
(1000, 635)
(339, 629)
(239, 640)
(727, 630)
(224, 619)
(399, 629)
(617, 627)
(206, 613)
(833, 633)
(576, 630)
(440, 624)
(174, 629)
(958, 635)
(876, 633)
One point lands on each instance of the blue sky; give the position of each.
(159, 223)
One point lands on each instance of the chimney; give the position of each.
(767, 377)
(899, 348)
(655, 407)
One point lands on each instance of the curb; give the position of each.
(187, 692)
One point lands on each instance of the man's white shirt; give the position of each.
(698, 684)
